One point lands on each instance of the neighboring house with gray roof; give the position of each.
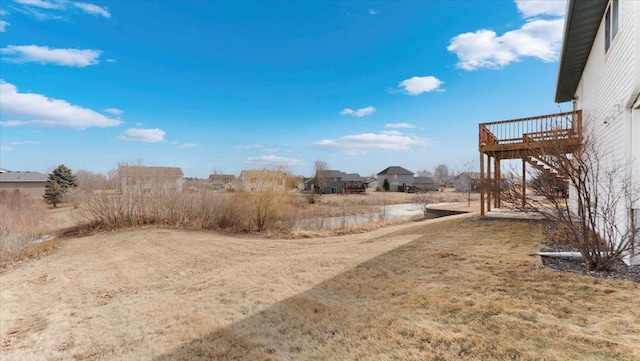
(337, 182)
(27, 182)
(425, 184)
(142, 179)
(397, 177)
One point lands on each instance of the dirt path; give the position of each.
(137, 294)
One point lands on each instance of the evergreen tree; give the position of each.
(385, 185)
(53, 192)
(60, 180)
(64, 177)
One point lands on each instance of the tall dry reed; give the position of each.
(23, 219)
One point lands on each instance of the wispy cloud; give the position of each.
(420, 84)
(363, 112)
(30, 142)
(45, 55)
(153, 135)
(537, 38)
(111, 60)
(42, 4)
(384, 141)
(273, 160)
(37, 110)
(188, 146)
(52, 9)
(12, 145)
(399, 125)
(93, 9)
(114, 111)
(3, 26)
(372, 12)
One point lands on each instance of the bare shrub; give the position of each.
(210, 211)
(424, 201)
(595, 218)
(266, 197)
(22, 220)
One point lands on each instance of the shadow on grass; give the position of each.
(465, 290)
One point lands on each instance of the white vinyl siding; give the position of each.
(609, 85)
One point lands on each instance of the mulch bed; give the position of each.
(619, 270)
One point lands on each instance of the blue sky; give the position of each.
(228, 86)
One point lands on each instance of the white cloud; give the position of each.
(420, 84)
(114, 111)
(40, 111)
(154, 135)
(45, 55)
(372, 12)
(111, 60)
(5, 148)
(540, 39)
(363, 112)
(399, 125)
(531, 8)
(3, 12)
(93, 9)
(3, 26)
(273, 160)
(537, 38)
(383, 141)
(189, 146)
(43, 4)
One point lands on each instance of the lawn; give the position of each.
(435, 290)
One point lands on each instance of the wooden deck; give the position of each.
(530, 139)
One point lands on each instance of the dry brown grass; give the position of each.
(23, 219)
(441, 290)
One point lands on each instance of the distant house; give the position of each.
(222, 181)
(353, 183)
(397, 177)
(425, 184)
(260, 180)
(142, 179)
(337, 182)
(32, 183)
(467, 182)
(371, 183)
(470, 181)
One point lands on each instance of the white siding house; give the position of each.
(600, 72)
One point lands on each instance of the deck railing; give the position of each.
(566, 125)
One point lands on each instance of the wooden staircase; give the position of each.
(537, 141)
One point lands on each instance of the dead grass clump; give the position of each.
(210, 211)
(22, 220)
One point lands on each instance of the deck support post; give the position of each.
(524, 183)
(489, 183)
(497, 180)
(481, 185)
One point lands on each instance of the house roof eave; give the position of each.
(582, 21)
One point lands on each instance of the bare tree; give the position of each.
(424, 173)
(469, 167)
(89, 181)
(595, 218)
(441, 173)
(320, 179)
